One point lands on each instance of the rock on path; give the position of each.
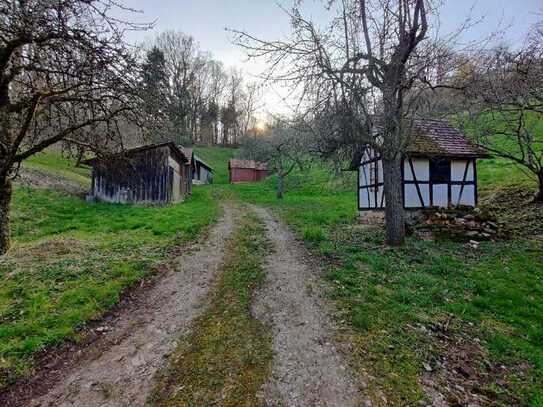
(308, 370)
(122, 375)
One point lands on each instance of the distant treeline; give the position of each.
(192, 98)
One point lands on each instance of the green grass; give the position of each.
(494, 293)
(227, 356)
(71, 261)
(218, 158)
(55, 163)
(500, 172)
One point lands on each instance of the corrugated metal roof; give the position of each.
(247, 164)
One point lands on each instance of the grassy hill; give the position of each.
(420, 307)
(55, 163)
(72, 261)
(218, 158)
(405, 309)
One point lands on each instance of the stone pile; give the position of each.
(459, 225)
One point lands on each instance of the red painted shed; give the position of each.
(246, 171)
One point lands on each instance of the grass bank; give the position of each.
(71, 261)
(227, 356)
(55, 163)
(431, 316)
(218, 158)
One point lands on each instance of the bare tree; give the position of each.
(281, 147)
(231, 112)
(202, 94)
(505, 96)
(216, 95)
(375, 57)
(64, 69)
(249, 105)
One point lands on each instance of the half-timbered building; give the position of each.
(439, 170)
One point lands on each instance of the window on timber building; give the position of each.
(440, 171)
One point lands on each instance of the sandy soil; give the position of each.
(308, 369)
(122, 374)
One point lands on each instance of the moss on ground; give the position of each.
(227, 356)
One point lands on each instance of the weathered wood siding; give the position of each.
(150, 176)
(202, 175)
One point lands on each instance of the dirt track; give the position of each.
(122, 375)
(308, 369)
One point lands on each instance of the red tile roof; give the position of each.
(247, 164)
(439, 138)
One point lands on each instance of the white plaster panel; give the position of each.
(364, 175)
(365, 157)
(441, 195)
(364, 203)
(421, 167)
(458, 167)
(371, 196)
(468, 195)
(412, 199)
(380, 171)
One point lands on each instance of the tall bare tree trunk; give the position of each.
(5, 199)
(539, 196)
(394, 211)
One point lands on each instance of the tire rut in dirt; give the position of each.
(308, 368)
(122, 375)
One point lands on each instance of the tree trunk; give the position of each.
(79, 158)
(539, 196)
(337, 167)
(5, 200)
(280, 186)
(394, 211)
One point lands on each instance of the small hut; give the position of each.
(153, 174)
(203, 173)
(439, 170)
(246, 171)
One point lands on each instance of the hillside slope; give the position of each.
(72, 261)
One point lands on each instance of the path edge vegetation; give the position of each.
(227, 355)
(40, 314)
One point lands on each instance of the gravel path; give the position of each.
(122, 375)
(308, 370)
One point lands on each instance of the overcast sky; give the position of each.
(206, 21)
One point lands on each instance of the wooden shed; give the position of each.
(190, 166)
(246, 171)
(203, 173)
(153, 174)
(439, 170)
